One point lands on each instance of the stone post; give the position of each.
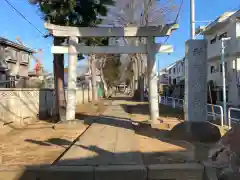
(72, 79)
(196, 81)
(196, 127)
(152, 83)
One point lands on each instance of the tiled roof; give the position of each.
(16, 45)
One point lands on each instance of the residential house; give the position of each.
(163, 76)
(227, 25)
(176, 72)
(14, 61)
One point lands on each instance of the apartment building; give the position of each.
(227, 25)
(14, 60)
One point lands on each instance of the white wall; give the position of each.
(238, 29)
(232, 77)
(214, 49)
(163, 78)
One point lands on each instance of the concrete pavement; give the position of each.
(110, 140)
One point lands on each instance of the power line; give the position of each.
(19, 13)
(176, 19)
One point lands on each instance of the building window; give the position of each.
(221, 95)
(174, 81)
(238, 27)
(174, 70)
(212, 41)
(223, 35)
(170, 70)
(212, 69)
(225, 67)
(234, 67)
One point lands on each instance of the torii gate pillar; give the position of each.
(152, 82)
(72, 79)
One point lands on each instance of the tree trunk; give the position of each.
(72, 79)
(141, 77)
(105, 88)
(136, 74)
(58, 68)
(94, 78)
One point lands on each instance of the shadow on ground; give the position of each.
(164, 111)
(99, 156)
(83, 168)
(141, 129)
(126, 98)
(105, 157)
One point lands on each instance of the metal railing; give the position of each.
(179, 103)
(215, 113)
(174, 102)
(230, 118)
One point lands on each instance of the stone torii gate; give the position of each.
(73, 49)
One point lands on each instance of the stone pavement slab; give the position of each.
(110, 140)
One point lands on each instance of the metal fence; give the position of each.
(214, 111)
(170, 101)
(233, 116)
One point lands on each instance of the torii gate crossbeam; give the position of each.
(73, 49)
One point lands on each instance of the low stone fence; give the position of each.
(20, 105)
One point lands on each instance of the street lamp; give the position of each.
(224, 77)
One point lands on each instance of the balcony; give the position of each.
(232, 48)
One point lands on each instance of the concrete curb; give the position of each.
(118, 172)
(176, 171)
(49, 173)
(109, 172)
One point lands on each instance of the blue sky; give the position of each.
(13, 25)
(206, 10)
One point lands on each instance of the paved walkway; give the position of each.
(110, 140)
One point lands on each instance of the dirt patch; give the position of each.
(38, 144)
(43, 142)
(89, 109)
(140, 112)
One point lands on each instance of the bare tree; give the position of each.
(142, 13)
(139, 13)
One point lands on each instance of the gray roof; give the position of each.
(223, 19)
(16, 45)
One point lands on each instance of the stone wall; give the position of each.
(18, 106)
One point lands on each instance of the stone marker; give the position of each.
(196, 81)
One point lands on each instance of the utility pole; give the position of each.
(224, 78)
(192, 18)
